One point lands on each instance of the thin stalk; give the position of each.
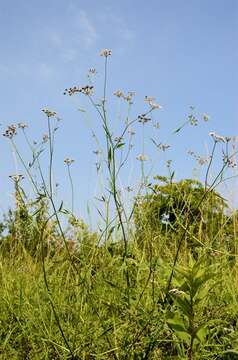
(72, 188)
(24, 165)
(210, 163)
(51, 156)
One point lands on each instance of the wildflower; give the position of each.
(176, 292)
(45, 138)
(68, 161)
(155, 105)
(217, 138)
(118, 93)
(16, 177)
(157, 125)
(163, 147)
(229, 161)
(142, 157)
(22, 126)
(148, 99)
(10, 131)
(49, 113)
(86, 90)
(192, 120)
(92, 71)
(202, 160)
(143, 119)
(118, 139)
(72, 90)
(105, 53)
(205, 117)
(151, 101)
(129, 97)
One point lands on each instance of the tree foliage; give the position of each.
(170, 207)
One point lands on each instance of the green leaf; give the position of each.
(180, 128)
(231, 352)
(184, 305)
(201, 333)
(179, 328)
(109, 155)
(119, 145)
(61, 206)
(176, 324)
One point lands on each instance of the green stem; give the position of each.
(72, 188)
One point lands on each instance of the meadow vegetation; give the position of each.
(155, 280)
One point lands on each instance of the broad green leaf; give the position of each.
(202, 332)
(176, 324)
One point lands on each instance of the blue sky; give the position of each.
(182, 52)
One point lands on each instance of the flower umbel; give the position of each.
(22, 126)
(49, 113)
(142, 157)
(45, 138)
(143, 119)
(105, 52)
(205, 117)
(151, 102)
(16, 177)
(218, 138)
(10, 131)
(86, 90)
(68, 161)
